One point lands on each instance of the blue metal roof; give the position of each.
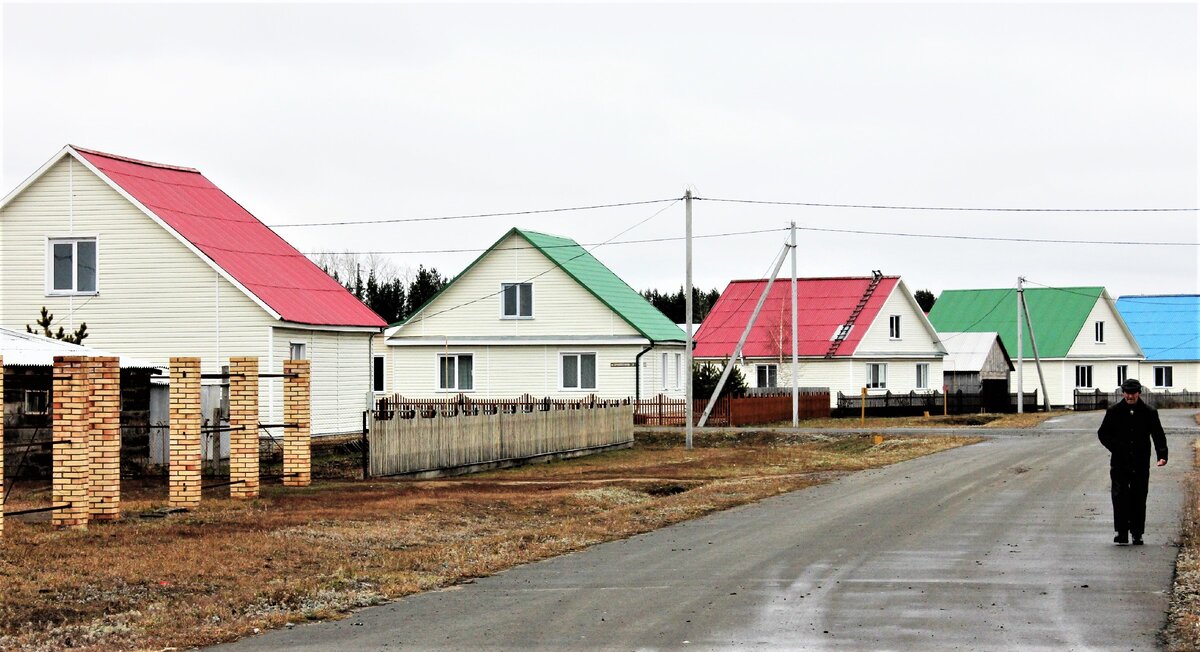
(1166, 326)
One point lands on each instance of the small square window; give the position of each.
(71, 266)
(1163, 377)
(36, 401)
(579, 371)
(766, 375)
(456, 372)
(296, 351)
(516, 300)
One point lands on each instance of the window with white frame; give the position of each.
(71, 266)
(922, 375)
(672, 365)
(516, 300)
(1099, 332)
(37, 401)
(766, 375)
(579, 371)
(377, 375)
(1083, 376)
(297, 351)
(666, 378)
(894, 327)
(1122, 373)
(456, 372)
(876, 375)
(679, 379)
(1163, 377)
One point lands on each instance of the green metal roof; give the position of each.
(594, 277)
(1057, 315)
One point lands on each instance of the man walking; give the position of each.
(1127, 430)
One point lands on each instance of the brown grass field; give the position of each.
(1183, 617)
(230, 568)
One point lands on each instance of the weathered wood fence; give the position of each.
(1099, 400)
(426, 436)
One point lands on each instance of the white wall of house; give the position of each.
(1118, 343)
(1185, 375)
(340, 376)
(846, 375)
(916, 335)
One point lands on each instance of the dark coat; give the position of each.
(1127, 431)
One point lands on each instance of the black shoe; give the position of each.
(1137, 540)
(1121, 538)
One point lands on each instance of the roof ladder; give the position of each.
(844, 330)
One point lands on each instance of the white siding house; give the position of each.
(159, 262)
(534, 314)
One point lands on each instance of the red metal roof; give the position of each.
(822, 304)
(250, 252)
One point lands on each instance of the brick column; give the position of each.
(184, 473)
(243, 418)
(104, 442)
(297, 409)
(70, 436)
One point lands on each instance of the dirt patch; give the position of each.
(221, 571)
(1183, 616)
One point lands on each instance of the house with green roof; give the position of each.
(1081, 339)
(534, 314)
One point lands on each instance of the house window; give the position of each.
(71, 266)
(1122, 373)
(876, 375)
(671, 368)
(666, 381)
(516, 300)
(36, 401)
(377, 374)
(766, 375)
(679, 380)
(1162, 377)
(923, 375)
(1083, 375)
(1099, 332)
(894, 327)
(296, 351)
(579, 371)
(456, 372)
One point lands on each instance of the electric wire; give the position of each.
(441, 218)
(948, 208)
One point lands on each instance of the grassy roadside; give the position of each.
(986, 420)
(230, 568)
(1183, 617)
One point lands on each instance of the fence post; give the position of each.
(184, 447)
(365, 446)
(104, 440)
(297, 411)
(243, 424)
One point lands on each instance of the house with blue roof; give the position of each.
(535, 314)
(1167, 327)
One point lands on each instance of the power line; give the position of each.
(478, 215)
(981, 238)
(950, 208)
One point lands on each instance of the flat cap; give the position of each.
(1131, 385)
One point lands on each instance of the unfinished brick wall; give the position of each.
(184, 462)
(243, 419)
(71, 451)
(297, 408)
(104, 440)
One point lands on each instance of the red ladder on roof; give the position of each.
(844, 330)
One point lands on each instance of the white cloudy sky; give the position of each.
(319, 113)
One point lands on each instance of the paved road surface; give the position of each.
(999, 546)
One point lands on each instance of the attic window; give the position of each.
(842, 332)
(516, 300)
(71, 266)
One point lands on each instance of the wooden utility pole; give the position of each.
(687, 308)
(795, 341)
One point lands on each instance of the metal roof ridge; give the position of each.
(127, 159)
(814, 278)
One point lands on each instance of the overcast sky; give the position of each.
(321, 113)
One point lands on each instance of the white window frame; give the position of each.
(74, 242)
(893, 327)
(379, 382)
(457, 387)
(1099, 328)
(1083, 374)
(679, 379)
(578, 355)
(665, 383)
(45, 401)
(504, 288)
(880, 381)
(772, 371)
(1122, 373)
(292, 349)
(1164, 373)
(922, 375)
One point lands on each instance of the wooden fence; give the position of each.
(425, 436)
(915, 404)
(1099, 400)
(731, 410)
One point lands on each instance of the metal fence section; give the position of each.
(1100, 400)
(917, 403)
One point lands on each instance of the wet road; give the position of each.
(1001, 545)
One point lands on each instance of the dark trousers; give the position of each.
(1129, 499)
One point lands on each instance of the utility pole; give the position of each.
(1020, 354)
(1037, 360)
(795, 341)
(687, 308)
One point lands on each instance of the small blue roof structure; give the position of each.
(1166, 326)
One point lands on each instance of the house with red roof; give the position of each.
(853, 332)
(160, 262)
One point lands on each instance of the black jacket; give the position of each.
(1126, 433)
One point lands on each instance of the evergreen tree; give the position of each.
(47, 319)
(925, 299)
(425, 284)
(706, 375)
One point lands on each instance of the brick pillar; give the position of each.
(184, 480)
(70, 434)
(1, 445)
(297, 409)
(243, 418)
(104, 442)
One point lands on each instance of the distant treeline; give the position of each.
(673, 305)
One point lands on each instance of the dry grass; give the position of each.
(1183, 617)
(989, 420)
(229, 568)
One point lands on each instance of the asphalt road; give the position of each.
(1002, 545)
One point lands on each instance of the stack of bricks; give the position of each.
(104, 441)
(70, 433)
(243, 421)
(297, 408)
(184, 473)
